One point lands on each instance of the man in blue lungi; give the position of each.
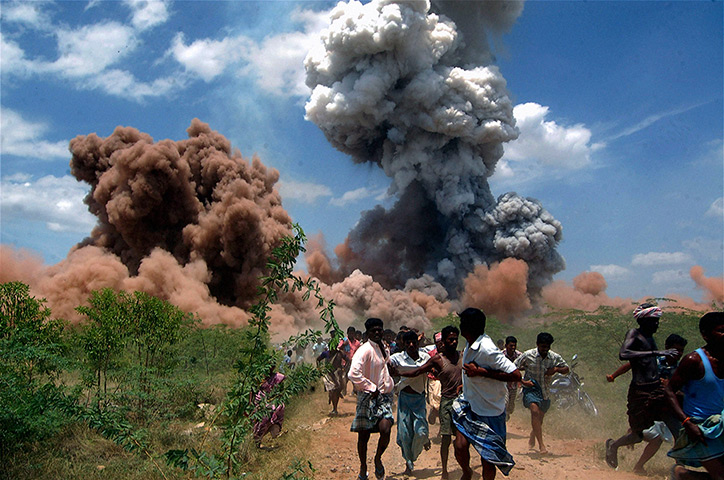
(479, 414)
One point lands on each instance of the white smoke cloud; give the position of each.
(393, 84)
(660, 258)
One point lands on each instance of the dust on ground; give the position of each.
(334, 456)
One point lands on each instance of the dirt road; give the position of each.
(334, 456)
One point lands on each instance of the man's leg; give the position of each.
(462, 455)
(715, 467)
(536, 423)
(385, 427)
(444, 453)
(488, 470)
(362, 439)
(612, 447)
(649, 451)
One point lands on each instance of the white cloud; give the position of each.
(716, 209)
(123, 84)
(670, 277)
(12, 58)
(24, 139)
(27, 13)
(57, 201)
(304, 192)
(208, 58)
(660, 258)
(91, 49)
(353, 196)
(547, 143)
(611, 271)
(147, 13)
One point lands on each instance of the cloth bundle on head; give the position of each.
(647, 310)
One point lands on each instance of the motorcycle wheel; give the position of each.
(588, 406)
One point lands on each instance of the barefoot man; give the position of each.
(540, 364)
(701, 377)
(373, 383)
(479, 414)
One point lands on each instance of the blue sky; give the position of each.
(619, 106)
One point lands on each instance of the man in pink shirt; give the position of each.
(348, 345)
(374, 385)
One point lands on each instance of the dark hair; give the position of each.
(472, 320)
(709, 321)
(511, 339)
(448, 330)
(409, 335)
(544, 338)
(373, 322)
(675, 339)
(351, 329)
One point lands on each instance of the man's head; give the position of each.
(678, 343)
(472, 323)
(388, 336)
(647, 315)
(410, 343)
(374, 328)
(351, 332)
(543, 341)
(511, 343)
(711, 326)
(450, 336)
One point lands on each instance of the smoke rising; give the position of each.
(402, 87)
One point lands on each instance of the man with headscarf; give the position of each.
(646, 401)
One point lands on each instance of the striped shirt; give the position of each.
(535, 367)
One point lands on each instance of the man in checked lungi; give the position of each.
(374, 385)
(479, 414)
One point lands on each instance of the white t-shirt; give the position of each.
(405, 363)
(485, 395)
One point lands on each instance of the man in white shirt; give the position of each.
(479, 415)
(412, 426)
(374, 385)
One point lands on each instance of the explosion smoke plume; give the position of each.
(393, 84)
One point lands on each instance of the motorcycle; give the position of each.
(567, 391)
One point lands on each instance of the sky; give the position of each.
(619, 107)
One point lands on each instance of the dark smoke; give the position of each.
(394, 84)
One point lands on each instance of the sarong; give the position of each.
(412, 428)
(534, 394)
(371, 410)
(334, 380)
(692, 454)
(486, 434)
(276, 418)
(433, 393)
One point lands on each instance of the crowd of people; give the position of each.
(406, 380)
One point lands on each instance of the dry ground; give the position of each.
(332, 451)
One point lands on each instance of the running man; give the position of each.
(479, 415)
(371, 379)
(511, 353)
(540, 364)
(646, 402)
(701, 377)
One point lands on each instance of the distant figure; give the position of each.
(540, 364)
(479, 415)
(433, 384)
(412, 427)
(448, 367)
(656, 434)
(272, 422)
(348, 346)
(373, 382)
(333, 380)
(701, 378)
(511, 353)
(646, 402)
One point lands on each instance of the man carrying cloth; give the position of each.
(646, 402)
(371, 379)
(701, 377)
(540, 364)
(479, 415)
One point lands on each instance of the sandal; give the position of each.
(360, 477)
(611, 455)
(380, 473)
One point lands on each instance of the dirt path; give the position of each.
(334, 454)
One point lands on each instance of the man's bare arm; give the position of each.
(472, 370)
